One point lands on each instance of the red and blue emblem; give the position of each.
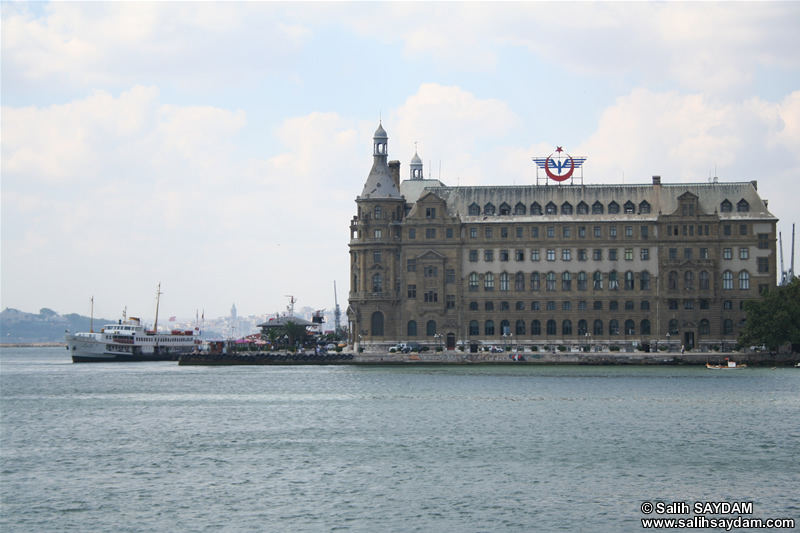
(561, 167)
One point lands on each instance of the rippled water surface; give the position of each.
(158, 447)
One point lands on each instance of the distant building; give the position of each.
(547, 265)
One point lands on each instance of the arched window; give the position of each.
(536, 328)
(412, 328)
(473, 282)
(505, 209)
(474, 210)
(613, 327)
(630, 208)
(613, 305)
(598, 327)
(488, 328)
(566, 281)
(597, 208)
(704, 280)
(519, 209)
(644, 208)
(431, 328)
(377, 283)
(582, 327)
(535, 281)
(644, 280)
(645, 306)
(488, 209)
(613, 281)
(519, 281)
(474, 328)
(488, 306)
(536, 209)
(742, 206)
(673, 326)
(505, 327)
(727, 280)
(566, 208)
(688, 280)
(644, 327)
(597, 281)
(613, 208)
(520, 327)
(473, 306)
(566, 327)
(727, 327)
(705, 327)
(744, 280)
(630, 329)
(582, 285)
(504, 281)
(726, 206)
(520, 306)
(672, 281)
(551, 281)
(551, 327)
(583, 208)
(550, 209)
(377, 324)
(488, 282)
(628, 280)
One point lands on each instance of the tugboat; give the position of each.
(129, 341)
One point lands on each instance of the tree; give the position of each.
(273, 335)
(773, 319)
(295, 331)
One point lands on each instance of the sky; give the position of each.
(217, 148)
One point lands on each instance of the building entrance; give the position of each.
(451, 341)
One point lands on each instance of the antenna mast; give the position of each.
(783, 272)
(337, 312)
(290, 307)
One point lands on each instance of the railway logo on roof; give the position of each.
(561, 167)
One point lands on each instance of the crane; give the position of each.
(337, 312)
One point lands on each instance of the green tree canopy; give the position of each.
(295, 331)
(773, 319)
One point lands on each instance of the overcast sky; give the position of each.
(218, 148)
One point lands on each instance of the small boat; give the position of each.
(730, 365)
(129, 341)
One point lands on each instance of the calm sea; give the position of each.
(157, 447)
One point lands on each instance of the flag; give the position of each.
(172, 319)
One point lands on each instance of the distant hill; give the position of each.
(46, 326)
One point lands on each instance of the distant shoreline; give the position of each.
(32, 345)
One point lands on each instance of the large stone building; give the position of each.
(550, 265)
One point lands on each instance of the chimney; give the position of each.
(755, 184)
(657, 180)
(394, 169)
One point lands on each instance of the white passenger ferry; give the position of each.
(128, 341)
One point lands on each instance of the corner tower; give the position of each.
(374, 252)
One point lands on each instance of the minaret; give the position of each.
(233, 312)
(416, 167)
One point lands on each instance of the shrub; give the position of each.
(614, 348)
(562, 348)
(662, 348)
(461, 348)
(534, 348)
(439, 348)
(360, 349)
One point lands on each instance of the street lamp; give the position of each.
(668, 344)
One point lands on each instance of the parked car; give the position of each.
(331, 347)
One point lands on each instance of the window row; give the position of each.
(704, 280)
(565, 232)
(566, 208)
(613, 305)
(742, 206)
(551, 280)
(551, 254)
(550, 327)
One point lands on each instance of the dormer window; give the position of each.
(583, 208)
(566, 208)
(644, 208)
(630, 208)
(726, 206)
(597, 208)
(550, 209)
(613, 208)
(519, 209)
(536, 209)
(488, 209)
(474, 210)
(505, 209)
(743, 206)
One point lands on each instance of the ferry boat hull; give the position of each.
(114, 344)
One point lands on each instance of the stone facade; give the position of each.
(580, 266)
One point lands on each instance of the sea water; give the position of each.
(159, 447)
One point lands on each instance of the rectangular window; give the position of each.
(378, 234)
(430, 233)
(726, 230)
(412, 291)
(431, 297)
(628, 254)
(551, 232)
(673, 253)
(688, 304)
(582, 232)
(703, 253)
(704, 304)
(376, 257)
(742, 229)
(629, 231)
(488, 255)
(566, 231)
(430, 212)
(612, 232)
(684, 231)
(487, 232)
(503, 255)
(431, 272)
(727, 253)
(687, 253)
(551, 255)
(412, 265)
(551, 306)
(582, 306)
(763, 264)
(519, 255)
(581, 254)
(535, 306)
(448, 233)
(450, 275)
(504, 233)
(612, 254)
(534, 255)
(706, 229)
(644, 232)
(566, 306)
(412, 233)
(473, 255)
(473, 233)
(644, 254)
(535, 232)
(744, 253)
(691, 231)
(598, 232)
(597, 254)
(450, 301)
(763, 241)
(566, 254)
(519, 233)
